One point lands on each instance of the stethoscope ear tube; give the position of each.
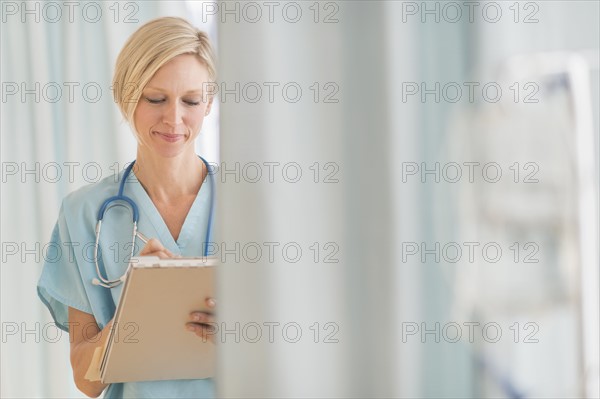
(106, 204)
(212, 209)
(106, 282)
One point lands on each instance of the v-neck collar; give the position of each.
(190, 227)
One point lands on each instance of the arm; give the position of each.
(85, 336)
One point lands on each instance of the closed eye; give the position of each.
(154, 100)
(161, 100)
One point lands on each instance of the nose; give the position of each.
(173, 114)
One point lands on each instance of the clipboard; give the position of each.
(148, 340)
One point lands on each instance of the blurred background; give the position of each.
(408, 191)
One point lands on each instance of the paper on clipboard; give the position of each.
(148, 340)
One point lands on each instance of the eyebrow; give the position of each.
(194, 91)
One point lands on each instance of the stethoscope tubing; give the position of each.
(109, 202)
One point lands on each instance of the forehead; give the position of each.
(183, 73)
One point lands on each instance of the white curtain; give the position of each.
(344, 204)
(60, 130)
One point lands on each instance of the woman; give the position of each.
(160, 83)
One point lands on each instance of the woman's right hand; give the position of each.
(155, 248)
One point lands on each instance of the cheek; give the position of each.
(195, 118)
(141, 114)
(145, 116)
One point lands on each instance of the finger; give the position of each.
(205, 331)
(152, 246)
(202, 317)
(155, 248)
(160, 254)
(211, 302)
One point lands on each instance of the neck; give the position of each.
(168, 179)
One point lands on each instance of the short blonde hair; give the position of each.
(149, 48)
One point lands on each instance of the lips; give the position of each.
(169, 137)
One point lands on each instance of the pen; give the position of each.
(142, 237)
(145, 240)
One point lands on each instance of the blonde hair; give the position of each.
(149, 48)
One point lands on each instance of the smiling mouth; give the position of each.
(170, 137)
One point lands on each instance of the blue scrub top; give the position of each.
(66, 279)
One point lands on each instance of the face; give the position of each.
(172, 107)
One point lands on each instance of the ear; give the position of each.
(209, 105)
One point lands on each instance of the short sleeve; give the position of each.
(60, 286)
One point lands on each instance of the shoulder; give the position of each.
(85, 201)
(79, 210)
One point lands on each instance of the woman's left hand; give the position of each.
(203, 323)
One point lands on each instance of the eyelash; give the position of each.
(154, 101)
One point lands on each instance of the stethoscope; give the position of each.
(101, 280)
